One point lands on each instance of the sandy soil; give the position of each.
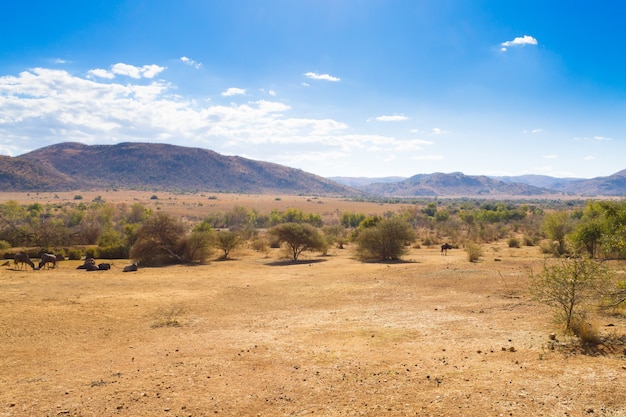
(330, 336)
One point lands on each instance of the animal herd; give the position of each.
(48, 260)
(21, 260)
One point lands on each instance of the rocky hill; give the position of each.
(68, 166)
(454, 184)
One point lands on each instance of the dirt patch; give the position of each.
(433, 336)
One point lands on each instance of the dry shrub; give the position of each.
(514, 242)
(474, 251)
(168, 316)
(586, 331)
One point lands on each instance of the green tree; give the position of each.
(386, 240)
(352, 220)
(227, 241)
(556, 226)
(298, 237)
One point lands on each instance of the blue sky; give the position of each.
(337, 88)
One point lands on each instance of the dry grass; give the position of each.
(432, 336)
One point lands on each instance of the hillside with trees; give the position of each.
(68, 166)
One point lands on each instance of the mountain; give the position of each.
(541, 181)
(455, 184)
(67, 166)
(73, 166)
(613, 185)
(363, 181)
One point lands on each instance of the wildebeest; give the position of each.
(130, 268)
(444, 248)
(104, 267)
(48, 258)
(22, 259)
(88, 264)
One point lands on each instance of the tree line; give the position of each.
(594, 228)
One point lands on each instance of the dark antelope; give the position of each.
(22, 259)
(48, 258)
(444, 248)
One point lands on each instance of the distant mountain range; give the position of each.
(457, 184)
(75, 166)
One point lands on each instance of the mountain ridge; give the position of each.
(140, 165)
(162, 166)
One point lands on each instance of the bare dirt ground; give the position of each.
(330, 336)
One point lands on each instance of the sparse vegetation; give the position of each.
(474, 251)
(386, 240)
(298, 237)
(572, 287)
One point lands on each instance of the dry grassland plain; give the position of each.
(329, 336)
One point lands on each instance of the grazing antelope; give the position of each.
(48, 258)
(22, 259)
(444, 248)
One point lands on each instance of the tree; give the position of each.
(228, 241)
(556, 225)
(386, 240)
(298, 237)
(571, 286)
(160, 241)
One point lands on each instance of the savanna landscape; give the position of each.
(256, 333)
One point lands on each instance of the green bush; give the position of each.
(4, 245)
(113, 252)
(386, 240)
(74, 254)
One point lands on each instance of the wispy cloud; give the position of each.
(552, 156)
(188, 61)
(532, 131)
(519, 41)
(323, 77)
(596, 138)
(427, 157)
(590, 158)
(438, 131)
(393, 118)
(233, 91)
(59, 61)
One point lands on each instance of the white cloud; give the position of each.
(233, 91)
(601, 138)
(590, 158)
(45, 106)
(519, 41)
(394, 118)
(101, 73)
(550, 156)
(323, 77)
(305, 84)
(190, 62)
(438, 131)
(59, 61)
(147, 71)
